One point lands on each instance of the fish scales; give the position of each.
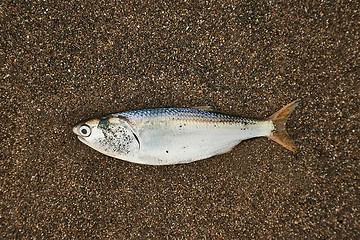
(183, 114)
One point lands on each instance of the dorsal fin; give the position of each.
(205, 108)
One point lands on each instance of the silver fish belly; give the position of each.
(163, 136)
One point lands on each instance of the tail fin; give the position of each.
(279, 118)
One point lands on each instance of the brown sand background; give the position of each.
(66, 61)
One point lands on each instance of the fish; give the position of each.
(166, 136)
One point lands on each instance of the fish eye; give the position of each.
(85, 130)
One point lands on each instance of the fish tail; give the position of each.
(279, 134)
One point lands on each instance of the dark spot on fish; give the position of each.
(167, 151)
(180, 125)
(104, 123)
(214, 125)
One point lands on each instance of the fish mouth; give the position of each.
(74, 129)
(81, 139)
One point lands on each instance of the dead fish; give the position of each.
(163, 136)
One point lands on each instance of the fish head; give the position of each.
(88, 131)
(112, 136)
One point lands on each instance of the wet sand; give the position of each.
(65, 62)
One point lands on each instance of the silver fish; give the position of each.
(163, 136)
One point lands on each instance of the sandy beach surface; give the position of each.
(66, 61)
